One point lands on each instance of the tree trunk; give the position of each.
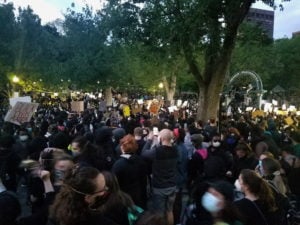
(209, 96)
(170, 88)
(108, 96)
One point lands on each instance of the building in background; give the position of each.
(296, 34)
(263, 18)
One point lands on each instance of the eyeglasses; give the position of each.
(82, 193)
(101, 191)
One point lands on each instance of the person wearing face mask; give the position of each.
(83, 191)
(62, 164)
(231, 139)
(116, 205)
(196, 163)
(21, 147)
(218, 201)
(218, 162)
(87, 154)
(258, 206)
(131, 171)
(244, 159)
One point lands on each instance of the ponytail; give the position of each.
(266, 195)
(259, 187)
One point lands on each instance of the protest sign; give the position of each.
(289, 121)
(257, 113)
(126, 110)
(77, 106)
(135, 108)
(13, 101)
(154, 107)
(21, 112)
(102, 106)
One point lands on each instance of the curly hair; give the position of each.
(70, 207)
(259, 187)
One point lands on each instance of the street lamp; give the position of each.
(161, 85)
(16, 79)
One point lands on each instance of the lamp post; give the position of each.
(15, 81)
(161, 86)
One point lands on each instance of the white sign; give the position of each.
(13, 101)
(21, 112)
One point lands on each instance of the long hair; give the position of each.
(70, 207)
(259, 187)
(115, 198)
(271, 169)
(90, 153)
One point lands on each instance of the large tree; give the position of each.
(206, 28)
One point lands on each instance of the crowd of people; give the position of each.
(91, 168)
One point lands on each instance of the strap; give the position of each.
(259, 211)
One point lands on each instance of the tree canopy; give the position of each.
(137, 43)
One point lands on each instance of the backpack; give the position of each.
(133, 214)
(282, 203)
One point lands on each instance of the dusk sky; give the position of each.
(286, 21)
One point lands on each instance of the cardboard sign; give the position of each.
(21, 112)
(13, 101)
(102, 106)
(154, 107)
(282, 112)
(136, 109)
(126, 111)
(258, 113)
(289, 121)
(77, 106)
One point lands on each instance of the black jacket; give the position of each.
(131, 172)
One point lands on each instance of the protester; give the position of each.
(79, 197)
(131, 171)
(164, 172)
(258, 206)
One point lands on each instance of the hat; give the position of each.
(197, 138)
(118, 133)
(225, 188)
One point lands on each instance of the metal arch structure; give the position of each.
(255, 89)
(253, 75)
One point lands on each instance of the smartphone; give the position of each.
(155, 131)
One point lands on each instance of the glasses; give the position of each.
(82, 193)
(101, 191)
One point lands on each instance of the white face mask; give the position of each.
(216, 144)
(210, 202)
(237, 185)
(23, 137)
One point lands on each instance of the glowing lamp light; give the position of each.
(161, 85)
(16, 79)
(55, 94)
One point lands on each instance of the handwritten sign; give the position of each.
(154, 107)
(289, 121)
(13, 101)
(77, 106)
(258, 113)
(126, 110)
(21, 112)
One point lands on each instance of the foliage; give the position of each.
(134, 43)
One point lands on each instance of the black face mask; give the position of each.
(98, 202)
(59, 175)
